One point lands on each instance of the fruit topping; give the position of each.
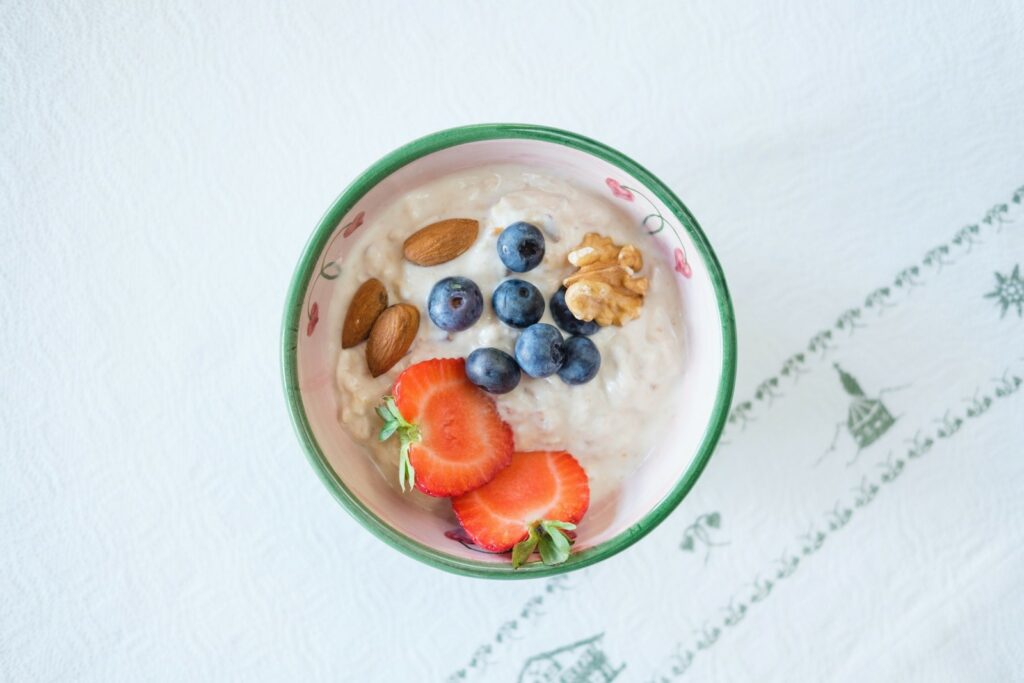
(493, 370)
(455, 303)
(452, 438)
(582, 361)
(539, 350)
(518, 303)
(528, 505)
(521, 247)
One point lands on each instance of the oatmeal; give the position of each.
(611, 422)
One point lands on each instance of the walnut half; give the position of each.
(606, 287)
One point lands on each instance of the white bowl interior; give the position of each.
(636, 496)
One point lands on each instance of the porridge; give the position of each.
(502, 244)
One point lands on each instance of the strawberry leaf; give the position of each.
(521, 551)
(387, 430)
(555, 546)
(392, 407)
(562, 544)
(408, 434)
(406, 473)
(548, 552)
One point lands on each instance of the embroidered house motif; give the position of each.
(868, 418)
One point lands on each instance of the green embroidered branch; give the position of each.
(698, 531)
(1005, 386)
(408, 434)
(890, 295)
(549, 536)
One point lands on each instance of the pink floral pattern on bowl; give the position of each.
(682, 266)
(329, 270)
(618, 190)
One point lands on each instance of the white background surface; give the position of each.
(161, 166)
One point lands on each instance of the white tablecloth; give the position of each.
(858, 167)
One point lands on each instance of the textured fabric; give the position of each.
(857, 166)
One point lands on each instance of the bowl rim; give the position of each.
(327, 225)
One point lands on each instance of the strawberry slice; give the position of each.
(453, 439)
(530, 503)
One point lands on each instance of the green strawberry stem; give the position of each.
(408, 434)
(547, 535)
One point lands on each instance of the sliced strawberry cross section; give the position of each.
(453, 439)
(528, 505)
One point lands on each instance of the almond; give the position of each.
(440, 242)
(391, 337)
(368, 302)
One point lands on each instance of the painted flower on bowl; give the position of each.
(314, 318)
(354, 225)
(618, 190)
(682, 267)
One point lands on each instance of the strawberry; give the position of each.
(453, 439)
(530, 503)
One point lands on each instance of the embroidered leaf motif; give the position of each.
(820, 342)
(908, 277)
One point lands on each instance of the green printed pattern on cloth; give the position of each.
(809, 542)
(877, 301)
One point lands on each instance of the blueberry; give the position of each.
(521, 247)
(455, 303)
(492, 370)
(518, 303)
(539, 350)
(582, 361)
(566, 320)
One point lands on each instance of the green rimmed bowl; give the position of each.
(309, 345)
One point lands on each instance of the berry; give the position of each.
(492, 370)
(565, 319)
(582, 361)
(521, 247)
(531, 502)
(452, 438)
(539, 350)
(518, 303)
(455, 303)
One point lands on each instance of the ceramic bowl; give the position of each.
(309, 347)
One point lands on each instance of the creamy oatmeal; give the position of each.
(611, 423)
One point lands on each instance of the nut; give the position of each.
(391, 337)
(594, 249)
(606, 287)
(368, 302)
(440, 242)
(603, 302)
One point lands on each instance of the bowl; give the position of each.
(309, 347)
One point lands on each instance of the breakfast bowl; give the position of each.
(680, 353)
